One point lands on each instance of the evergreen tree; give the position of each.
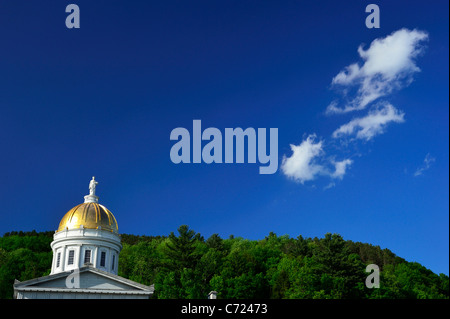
(181, 249)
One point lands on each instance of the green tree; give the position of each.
(181, 249)
(215, 242)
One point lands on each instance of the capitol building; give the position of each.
(85, 264)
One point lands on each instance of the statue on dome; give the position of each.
(93, 183)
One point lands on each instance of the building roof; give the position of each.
(85, 280)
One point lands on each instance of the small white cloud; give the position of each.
(426, 165)
(372, 124)
(301, 165)
(333, 108)
(388, 64)
(330, 185)
(307, 162)
(341, 168)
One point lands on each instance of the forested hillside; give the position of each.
(185, 265)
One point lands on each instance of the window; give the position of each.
(87, 256)
(71, 256)
(103, 259)
(58, 259)
(113, 261)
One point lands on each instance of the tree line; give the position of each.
(185, 265)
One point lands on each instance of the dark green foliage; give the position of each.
(31, 240)
(181, 270)
(134, 239)
(23, 256)
(188, 266)
(181, 249)
(370, 254)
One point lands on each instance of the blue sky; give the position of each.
(102, 100)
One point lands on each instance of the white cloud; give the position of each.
(307, 162)
(340, 168)
(372, 124)
(388, 64)
(301, 165)
(330, 185)
(333, 108)
(426, 165)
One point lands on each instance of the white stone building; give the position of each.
(85, 263)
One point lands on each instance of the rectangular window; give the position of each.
(71, 256)
(87, 256)
(103, 259)
(58, 259)
(113, 260)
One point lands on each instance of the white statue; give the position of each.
(93, 183)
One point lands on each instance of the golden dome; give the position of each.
(91, 215)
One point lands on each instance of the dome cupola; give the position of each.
(89, 215)
(87, 234)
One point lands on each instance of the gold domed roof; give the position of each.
(91, 215)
